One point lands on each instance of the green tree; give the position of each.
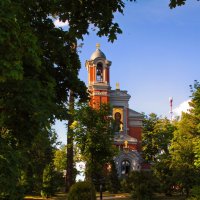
(157, 137)
(143, 185)
(60, 158)
(70, 178)
(94, 136)
(195, 120)
(185, 145)
(40, 63)
(149, 149)
(10, 188)
(82, 190)
(163, 133)
(174, 3)
(48, 185)
(182, 154)
(113, 183)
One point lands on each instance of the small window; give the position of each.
(99, 74)
(125, 167)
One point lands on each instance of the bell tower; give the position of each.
(98, 68)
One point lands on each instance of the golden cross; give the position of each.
(126, 144)
(117, 86)
(98, 46)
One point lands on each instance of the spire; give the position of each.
(97, 45)
(97, 53)
(117, 86)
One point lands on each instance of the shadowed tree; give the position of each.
(40, 63)
(174, 3)
(94, 137)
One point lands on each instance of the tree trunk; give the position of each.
(70, 161)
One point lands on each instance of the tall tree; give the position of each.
(70, 139)
(185, 145)
(40, 64)
(163, 134)
(195, 115)
(148, 147)
(157, 136)
(94, 136)
(60, 158)
(182, 155)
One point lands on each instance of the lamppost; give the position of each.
(101, 181)
(101, 191)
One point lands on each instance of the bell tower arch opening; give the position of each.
(98, 78)
(99, 72)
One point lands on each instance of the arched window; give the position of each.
(125, 167)
(99, 74)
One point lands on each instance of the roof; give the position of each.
(120, 138)
(133, 113)
(97, 54)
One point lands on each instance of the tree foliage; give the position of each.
(182, 155)
(174, 3)
(94, 136)
(82, 190)
(112, 182)
(9, 172)
(173, 147)
(60, 158)
(185, 144)
(157, 136)
(39, 65)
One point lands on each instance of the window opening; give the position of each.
(125, 167)
(99, 74)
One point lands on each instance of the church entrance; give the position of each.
(125, 167)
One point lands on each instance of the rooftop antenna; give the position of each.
(171, 104)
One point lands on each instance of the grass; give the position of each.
(174, 197)
(120, 196)
(58, 196)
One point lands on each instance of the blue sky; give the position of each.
(156, 57)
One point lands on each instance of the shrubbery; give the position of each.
(50, 181)
(144, 185)
(195, 193)
(141, 185)
(112, 181)
(10, 185)
(82, 190)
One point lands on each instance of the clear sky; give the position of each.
(156, 57)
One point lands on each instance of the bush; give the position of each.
(10, 187)
(195, 193)
(126, 185)
(142, 185)
(48, 185)
(112, 183)
(82, 190)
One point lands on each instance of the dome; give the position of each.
(97, 54)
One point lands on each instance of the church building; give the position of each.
(128, 129)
